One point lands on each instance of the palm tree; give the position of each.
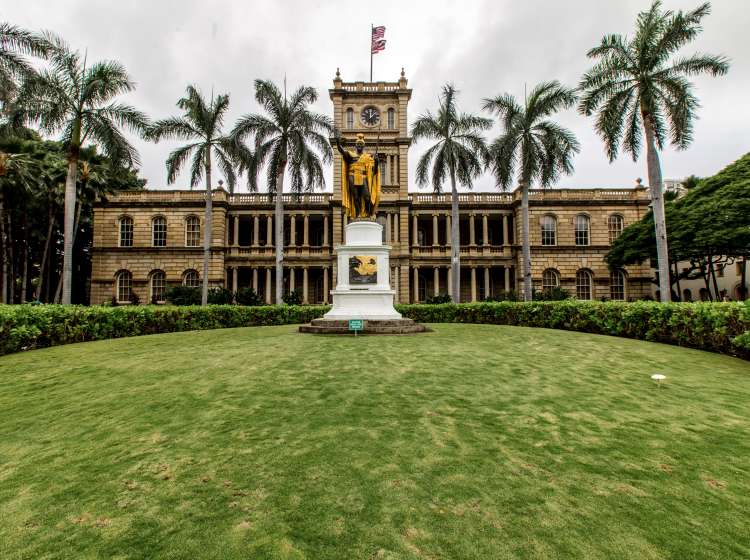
(78, 100)
(201, 124)
(288, 135)
(533, 146)
(14, 44)
(459, 154)
(636, 87)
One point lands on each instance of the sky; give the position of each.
(484, 47)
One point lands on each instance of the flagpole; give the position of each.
(371, 29)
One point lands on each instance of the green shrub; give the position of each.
(551, 294)
(440, 298)
(293, 298)
(507, 295)
(184, 295)
(247, 296)
(220, 296)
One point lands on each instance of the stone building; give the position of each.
(145, 241)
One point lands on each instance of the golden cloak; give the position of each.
(364, 167)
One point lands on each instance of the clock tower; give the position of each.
(377, 110)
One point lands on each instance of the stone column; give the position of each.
(325, 230)
(325, 285)
(450, 283)
(397, 232)
(436, 280)
(306, 232)
(448, 231)
(291, 279)
(415, 226)
(485, 231)
(434, 230)
(505, 230)
(292, 230)
(236, 240)
(472, 239)
(416, 285)
(268, 286)
(255, 280)
(269, 231)
(486, 282)
(473, 283)
(256, 230)
(507, 278)
(388, 226)
(235, 272)
(304, 285)
(226, 230)
(226, 276)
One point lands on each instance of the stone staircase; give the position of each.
(390, 326)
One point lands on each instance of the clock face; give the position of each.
(370, 116)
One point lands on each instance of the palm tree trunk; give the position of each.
(526, 247)
(207, 232)
(455, 243)
(279, 233)
(3, 243)
(76, 222)
(11, 261)
(45, 255)
(657, 207)
(25, 269)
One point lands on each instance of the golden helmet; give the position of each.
(360, 139)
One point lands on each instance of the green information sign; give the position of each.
(356, 325)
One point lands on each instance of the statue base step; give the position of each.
(370, 326)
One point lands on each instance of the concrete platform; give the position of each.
(371, 326)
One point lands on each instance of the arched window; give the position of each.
(705, 295)
(159, 231)
(192, 231)
(549, 230)
(687, 294)
(190, 279)
(124, 286)
(582, 229)
(583, 284)
(126, 231)
(350, 118)
(158, 286)
(617, 285)
(391, 119)
(550, 279)
(615, 223)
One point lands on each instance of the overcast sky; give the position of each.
(484, 47)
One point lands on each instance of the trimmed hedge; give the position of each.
(717, 327)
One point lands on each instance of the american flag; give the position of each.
(378, 43)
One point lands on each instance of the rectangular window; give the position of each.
(160, 232)
(582, 230)
(126, 232)
(193, 232)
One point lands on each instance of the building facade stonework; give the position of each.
(146, 241)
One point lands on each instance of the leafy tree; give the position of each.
(637, 88)
(78, 100)
(707, 226)
(459, 155)
(532, 148)
(289, 135)
(201, 124)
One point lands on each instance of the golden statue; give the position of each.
(360, 180)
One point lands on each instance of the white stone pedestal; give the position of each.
(363, 290)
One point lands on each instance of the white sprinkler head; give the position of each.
(658, 377)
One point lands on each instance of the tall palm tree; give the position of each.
(532, 146)
(201, 124)
(288, 135)
(637, 88)
(15, 43)
(459, 154)
(78, 100)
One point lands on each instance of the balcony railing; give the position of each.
(552, 195)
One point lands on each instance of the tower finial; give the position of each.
(403, 74)
(338, 74)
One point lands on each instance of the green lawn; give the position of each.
(472, 441)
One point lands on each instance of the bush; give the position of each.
(220, 296)
(292, 298)
(247, 296)
(25, 327)
(441, 298)
(183, 295)
(551, 294)
(717, 327)
(508, 295)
